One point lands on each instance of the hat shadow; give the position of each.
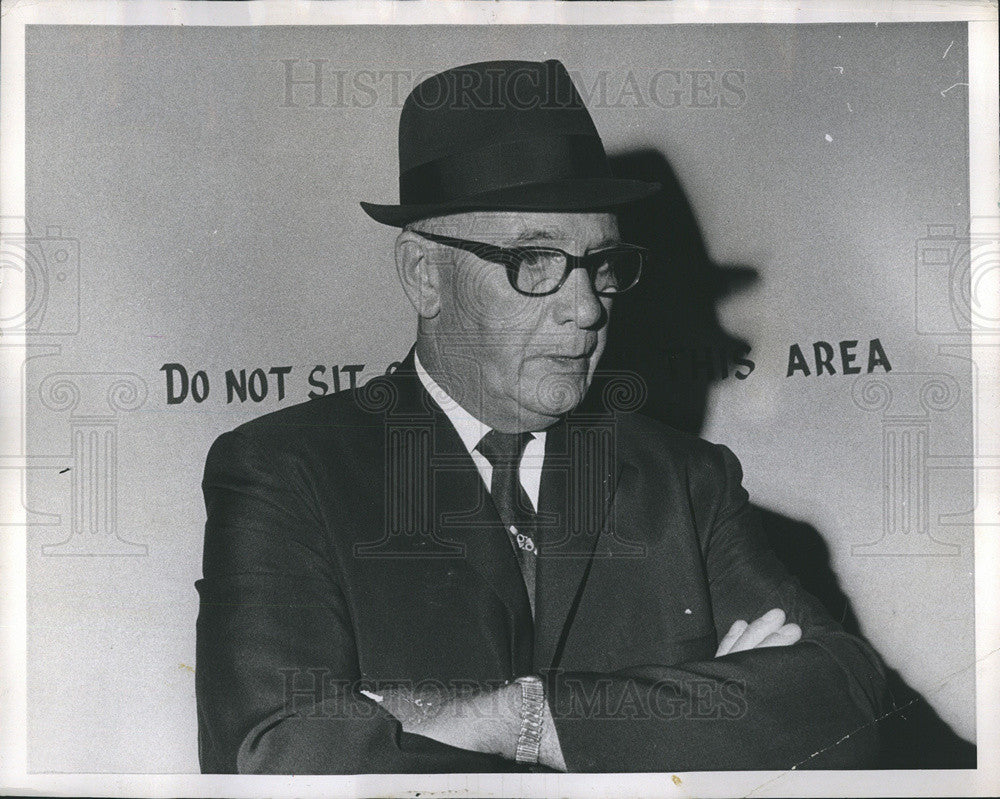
(668, 330)
(668, 334)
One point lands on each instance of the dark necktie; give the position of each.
(504, 451)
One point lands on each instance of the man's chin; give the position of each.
(556, 394)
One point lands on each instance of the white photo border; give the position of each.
(983, 175)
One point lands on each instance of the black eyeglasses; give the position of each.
(540, 271)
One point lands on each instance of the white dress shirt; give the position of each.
(471, 431)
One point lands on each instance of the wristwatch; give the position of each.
(529, 739)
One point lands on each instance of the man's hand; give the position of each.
(469, 722)
(486, 721)
(769, 630)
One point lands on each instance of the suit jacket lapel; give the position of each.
(462, 512)
(579, 479)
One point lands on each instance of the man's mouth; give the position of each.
(567, 359)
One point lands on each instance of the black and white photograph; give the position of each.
(499, 399)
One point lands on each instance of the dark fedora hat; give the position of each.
(501, 135)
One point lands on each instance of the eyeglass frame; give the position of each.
(509, 258)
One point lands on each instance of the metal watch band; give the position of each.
(529, 739)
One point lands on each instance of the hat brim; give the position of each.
(569, 196)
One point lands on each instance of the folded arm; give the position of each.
(489, 721)
(810, 704)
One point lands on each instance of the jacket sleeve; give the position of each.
(276, 676)
(814, 704)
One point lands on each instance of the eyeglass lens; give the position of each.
(611, 271)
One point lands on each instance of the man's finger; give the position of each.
(734, 633)
(759, 629)
(788, 634)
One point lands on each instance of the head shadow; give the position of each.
(667, 329)
(668, 335)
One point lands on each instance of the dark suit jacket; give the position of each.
(350, 539)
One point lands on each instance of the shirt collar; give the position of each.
(469, 428)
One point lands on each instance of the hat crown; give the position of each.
(468, 107)
(501, 135)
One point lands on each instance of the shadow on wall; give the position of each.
(669, 333)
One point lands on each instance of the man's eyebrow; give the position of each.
(541, 234)
(535, 234)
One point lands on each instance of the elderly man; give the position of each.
(454, 568)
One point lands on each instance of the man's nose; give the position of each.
(578, 302)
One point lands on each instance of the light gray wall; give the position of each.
(219, 228)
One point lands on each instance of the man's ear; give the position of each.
(419, 273)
